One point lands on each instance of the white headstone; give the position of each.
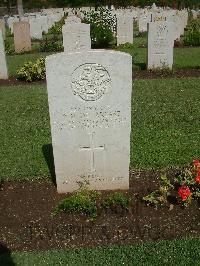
(35, 28)
(3, 28)
(154, 7)
(44, 23)
(143, 20)
(158, 17)
(76, 37)
(194, 14)
(124, 28)
(160, 45)
(90, 114)
(3, 64)
(72, 19)
(10, 21)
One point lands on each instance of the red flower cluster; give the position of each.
(195, 163)
(197, 170)
(197, 178)
(184, 192)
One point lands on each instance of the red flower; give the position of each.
(197, 171)
(195, 163)
(184, 192)
(197, 178)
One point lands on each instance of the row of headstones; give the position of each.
(76, 35)
(22, 33)
(179, 18)
(41, 22)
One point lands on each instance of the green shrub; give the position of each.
(116, 199)
(56, 29)
(32, 71)
(8, 33)
(102, 25)
(50, 46)
(81, 201)
(192, 38)
(9, 48)
(101, 37)
(160, 197)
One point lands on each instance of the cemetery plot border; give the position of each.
(26, 222)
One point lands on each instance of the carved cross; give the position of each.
(92, 149)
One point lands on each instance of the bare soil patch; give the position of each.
(26, 222)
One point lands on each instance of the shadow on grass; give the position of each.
(47, 150)
(5, 256)
(141, 66)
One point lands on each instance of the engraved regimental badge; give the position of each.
(90, 81)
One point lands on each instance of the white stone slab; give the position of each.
(35, 28)
(3, 64)
(3, 28)
(143, 20)
(76, 37)
(160, 45)
(10, 22)
(72, 19)
(44, 23)
(89, 96)
(124, 28)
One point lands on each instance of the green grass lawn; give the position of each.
(166, 253)
(165, 127)
(183, 57)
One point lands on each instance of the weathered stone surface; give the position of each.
(3, 28)
(22, 38)
(72, 19)
(76, 37)
(44, 23)
(3, 68)
(10, 22)
(158, 17)
(35, 28)
(124, 28)
(143, 20)
(89, 96)
(160, 45)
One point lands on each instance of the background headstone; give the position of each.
(143, 19)
(76, 37)
(3, 28)
(3, 64)
(72, 19)
(124, 28)
(22, 38)
(160, 45)
(90, 113)
(35, 28)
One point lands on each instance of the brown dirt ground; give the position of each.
(137, 74)
(26, 222)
